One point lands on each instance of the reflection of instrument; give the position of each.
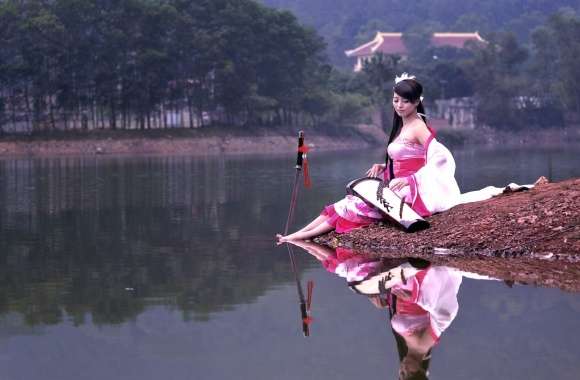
(304, 303)
(375, 193)
(380, 283)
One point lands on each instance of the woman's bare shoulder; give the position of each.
(419, 131)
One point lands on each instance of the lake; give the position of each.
(166, 267)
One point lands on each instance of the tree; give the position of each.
(368, 31)
(379, 73)
(565, 27)
(137, 62)
(497, 73)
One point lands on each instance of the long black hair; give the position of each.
(411, 90)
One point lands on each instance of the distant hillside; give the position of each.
(347, 23)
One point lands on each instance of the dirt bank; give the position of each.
(229, 140)
(529, 237)
(486, 136)
(187, 142)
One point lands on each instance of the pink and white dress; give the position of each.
(430, 170)
(432, 304)
(350, 265)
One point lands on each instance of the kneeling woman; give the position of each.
(418, 169)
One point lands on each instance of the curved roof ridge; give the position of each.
(377, 40)
(458, 34)
(392, 42)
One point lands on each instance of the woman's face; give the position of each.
(403, 107)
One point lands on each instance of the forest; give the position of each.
(143, 64)
(348, 23)
(157, 64)
(528, 68)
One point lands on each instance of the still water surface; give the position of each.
(166, 267)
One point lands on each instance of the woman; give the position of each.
(418, 169)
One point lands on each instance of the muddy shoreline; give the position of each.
(189, 142)
(184, 146)
(219, 141)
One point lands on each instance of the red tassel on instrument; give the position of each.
(307, 182)
(304, 150)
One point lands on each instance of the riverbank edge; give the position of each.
(529, 237)
(210, 142)
(220, 141)
(502, 226)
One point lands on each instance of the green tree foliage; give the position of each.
(492, 72)
(378, 76)
(562, 36)
(368, 31)
(148, 64)
(526, 75)
(515, 87)
(339, 21)
(152, 64)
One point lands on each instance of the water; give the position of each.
(165, 267)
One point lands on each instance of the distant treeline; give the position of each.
(149, 64)
(74, 64)
(510, 84)
(528, 74)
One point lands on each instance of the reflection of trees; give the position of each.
(107, 237)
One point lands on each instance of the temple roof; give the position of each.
(392, 43)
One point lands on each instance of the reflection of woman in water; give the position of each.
(421, 311)
(422, 303)
(347, 264)
(418, 169)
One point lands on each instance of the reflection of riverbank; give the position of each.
(105, 239)
(545, 272)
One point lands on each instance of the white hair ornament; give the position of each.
(403, 76)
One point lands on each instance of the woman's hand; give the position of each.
(398, 183)
(375, 170)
